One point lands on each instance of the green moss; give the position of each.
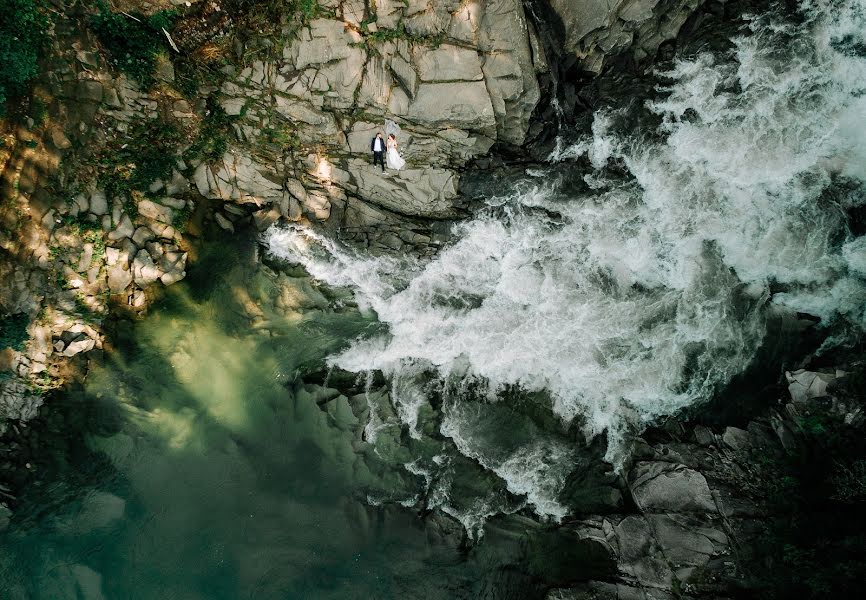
(22, 38)
(134, 42)
(181, 218)
(399, 33)
(13, 331)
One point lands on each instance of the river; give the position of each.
(299, 428)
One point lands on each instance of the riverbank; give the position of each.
(448, 401)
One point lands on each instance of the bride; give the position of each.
(395, 161)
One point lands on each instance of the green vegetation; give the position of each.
(13, 331)
(134, 41)
(275, 11)
(148, 155)
(22, 37)
(181, 218)
(817, 547)
(399, 33)
(213, 136)
(284, 136)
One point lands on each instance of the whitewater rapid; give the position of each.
(640, 294)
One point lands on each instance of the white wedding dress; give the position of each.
(393, 158)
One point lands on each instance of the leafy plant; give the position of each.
(213, 136)
(13, 331)
(133, 41)
(22, 37)
(147, 156)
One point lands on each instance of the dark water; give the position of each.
(200, 466)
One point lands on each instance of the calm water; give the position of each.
(205, 470)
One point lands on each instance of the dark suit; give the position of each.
(378, 155)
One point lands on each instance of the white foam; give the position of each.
(646, 295)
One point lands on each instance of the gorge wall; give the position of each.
(268, 113)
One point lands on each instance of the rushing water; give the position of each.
(635, 274)
(639, 277)
(206, 469)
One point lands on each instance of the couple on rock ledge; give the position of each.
(380, 147)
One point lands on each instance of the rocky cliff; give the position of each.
(250, 111)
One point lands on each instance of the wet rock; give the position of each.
(595, 29)
(805, 385)
(662, 487)
(224, 223)
(264, 218)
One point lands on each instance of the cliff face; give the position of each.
(251, 115)
(450, 79)
(596, 30)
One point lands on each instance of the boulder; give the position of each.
(98, 203)
(144, 271)
(82, 345)
(224, 223)
(669, 487)
(805, 385)
(157, 212)
(124, 229)
(119, 277)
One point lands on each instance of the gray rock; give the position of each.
(142, 235)
(17, 400)
(685, 542)
(155, 211)
(224, 223)
(98, 203)
(704, 436)
(447, 63)
(667, 487)
(462, 104)
(736, 438)
(119, 277)
(805, 385)
(124, 229)
(144, 271)
(90, 90)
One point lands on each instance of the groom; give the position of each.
(378, 148)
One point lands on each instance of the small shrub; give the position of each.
(213, 136)
(22, 38)
(134, 44)
(849, 482)
(13, 331)
(147, 156)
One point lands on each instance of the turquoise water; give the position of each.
(199, 464)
